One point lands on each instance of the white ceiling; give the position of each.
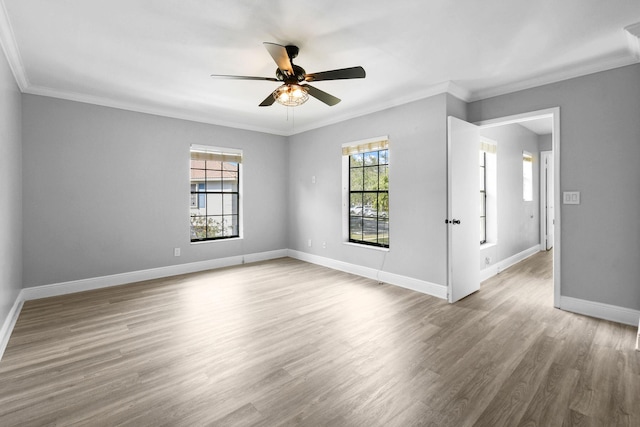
(157, 56)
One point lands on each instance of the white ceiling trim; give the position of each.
(633, 39)
(10, 48)
(445, 87)
(141, 108)
(554, 77)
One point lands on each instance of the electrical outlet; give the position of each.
(176, 251)
(571, 197)
(309, 242)
(324, 245)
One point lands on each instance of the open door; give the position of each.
(463, 209)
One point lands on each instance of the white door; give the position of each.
(463, 209)
(547, 197)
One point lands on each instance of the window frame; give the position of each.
(382, 234)
(202, 192)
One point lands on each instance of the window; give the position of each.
(483, 197)
(527, 176)
(488, 185)
(368, 193)
(215, 193)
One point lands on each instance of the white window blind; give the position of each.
(365, 146)
(215, 154)
(487, 147)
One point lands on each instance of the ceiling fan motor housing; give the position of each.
(292, 51)
(298, 75)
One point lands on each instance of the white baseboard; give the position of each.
(417, 285)
(9, 323)
(496, 268)
(64, 288)
(589, 308)
(599, 310)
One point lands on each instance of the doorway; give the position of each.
(551, 236)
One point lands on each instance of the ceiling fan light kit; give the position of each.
(294, 91)
(291, 95)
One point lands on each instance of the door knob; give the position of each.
(456, 221)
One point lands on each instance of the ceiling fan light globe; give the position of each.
(291, 95)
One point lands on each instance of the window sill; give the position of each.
(204, 242)
(375, 248)
(487, 245)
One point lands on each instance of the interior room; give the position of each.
(182, 243)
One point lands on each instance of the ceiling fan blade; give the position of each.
(330, 100)
(280, 56)
(343, 73)
(269, 100)
(224, 76)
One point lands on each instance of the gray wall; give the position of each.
(106, 191)
(545, 142)
(600, 154)
(518, 221)
(10, 190)
(417, 190)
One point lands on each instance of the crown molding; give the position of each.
(10, 48)
(555, 76)
(142, 108)
(633, 39)
(437, 89)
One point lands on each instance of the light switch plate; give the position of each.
(571, 197)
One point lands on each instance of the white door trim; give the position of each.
(554, 114)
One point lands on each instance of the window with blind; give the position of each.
(368, 192)
(488, 190)
(215, 193)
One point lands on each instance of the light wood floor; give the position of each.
(289, 343)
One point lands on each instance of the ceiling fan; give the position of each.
(295, 90)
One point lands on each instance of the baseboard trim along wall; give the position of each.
(599, 310)
(9, 323)
(417, 285)
(588, 308)
(496, 268)
(64, 288)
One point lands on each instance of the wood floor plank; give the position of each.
(287, 343)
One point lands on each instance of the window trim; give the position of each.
(348, 149)
(229, 155)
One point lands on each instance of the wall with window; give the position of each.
(417, 190)
(10, 190)
(107, 191)
(517, 220)
(599, 154)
